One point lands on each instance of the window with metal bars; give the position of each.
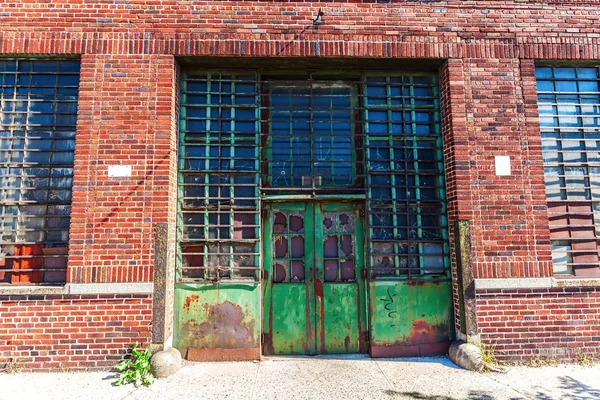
(38, 112)
(218, 177)
(248, 138)
(408, 235)
(569, 108)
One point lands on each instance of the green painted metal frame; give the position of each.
(412, 107)
(214, 138)
(309, 312)
(313, 82)
(414, 288)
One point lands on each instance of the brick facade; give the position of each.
(555, 323)
(130, 55)
(45, 333)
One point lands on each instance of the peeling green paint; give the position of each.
(410, 312)
(223, 316)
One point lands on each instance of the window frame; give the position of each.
(567, 134)
(35, 111)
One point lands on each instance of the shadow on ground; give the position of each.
(420, 396)
(571, 389)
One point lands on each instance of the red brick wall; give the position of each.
(128, 105)
(128, 111)
(557, 323)
(81, 332)
(485, 116)
(126, 116)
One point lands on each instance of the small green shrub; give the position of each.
(488, 352)
(585, 360)
(136, 369)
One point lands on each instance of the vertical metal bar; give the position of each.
(393, 207)
(180, 178)
(415, 151)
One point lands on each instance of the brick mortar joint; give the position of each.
(79, 288)
(535, 283)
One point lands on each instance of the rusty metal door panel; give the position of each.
(290, 320)
(410, 317)
(217, 316)
(341, 303)
(321, 307)
(340, 319)
(288, 279)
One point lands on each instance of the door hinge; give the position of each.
(264, 213)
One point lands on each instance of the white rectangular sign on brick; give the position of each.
(503, 165)
(119, 171)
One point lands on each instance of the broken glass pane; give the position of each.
(346, 246)
(297, 246)
(279, 272)
(281, 246)
(297, 223)
(330, 247)
(331, 270)
(280, 223)
(297, 271)
(330, 222)
(346, 222)
(348, 271)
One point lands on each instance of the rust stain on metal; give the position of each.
(224, 328)
(422, 332)
(321, 311)
(268, 344)
(189, 300)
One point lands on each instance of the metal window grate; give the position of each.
(218, 177)
(406, 190)
(569, 108)
(245, 139)
(38, 112)
(311, 142)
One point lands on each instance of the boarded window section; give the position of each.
(569, 107)
(218, 177)
(38, 112)
(408, 233)
(311, 142)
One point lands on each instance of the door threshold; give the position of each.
(285, 357)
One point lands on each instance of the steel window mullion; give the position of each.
(415, 152)
(393, 194)
(440, 170)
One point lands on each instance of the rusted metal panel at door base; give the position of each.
(217, 322)
(410, 318)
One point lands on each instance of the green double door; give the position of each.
(314, 279)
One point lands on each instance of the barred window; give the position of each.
(406, 197)
(218, 172)
(569, 107)
(38, 112)
(249, 140)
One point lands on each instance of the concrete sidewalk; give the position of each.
(344, 377)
